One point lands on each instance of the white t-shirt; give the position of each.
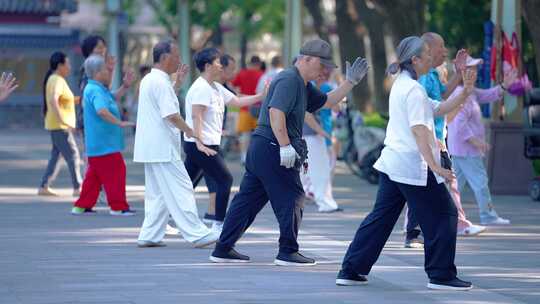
(400, 159)
(215, 99)
(156, 139)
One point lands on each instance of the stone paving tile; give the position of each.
(49, 256)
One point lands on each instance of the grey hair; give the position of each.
(408, 48)
(430, 37)
(92, 65)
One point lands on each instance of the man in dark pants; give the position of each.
(277, 152)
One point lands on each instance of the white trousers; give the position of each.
(318, 179)
(169, 191)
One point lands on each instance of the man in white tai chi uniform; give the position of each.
(157, 145)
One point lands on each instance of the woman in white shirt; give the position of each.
(410, 172)
(205, 106)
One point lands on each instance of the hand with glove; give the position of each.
(287, 156)
(355, 73)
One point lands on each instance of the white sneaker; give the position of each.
(496, 221)
(471, 231)
(207, 240)
(170, 230)
(217, 227)
(128, 212)
(46, 191)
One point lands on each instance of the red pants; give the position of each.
(107, 170)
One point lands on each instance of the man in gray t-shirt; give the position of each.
(289, 94)
(271, 173)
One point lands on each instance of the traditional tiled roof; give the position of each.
(38, 7)
(37, 37)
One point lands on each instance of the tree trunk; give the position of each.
(314, 9)
(351, 45)
(217, 37)
(531, 13)
(376, 24)
(243, 50)
(246, 33)
(405, 17)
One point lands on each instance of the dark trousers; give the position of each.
(214, 167)
(63, 144)
(265, 180)
(436, 214)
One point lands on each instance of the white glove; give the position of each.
(287, 156)
(355, 73)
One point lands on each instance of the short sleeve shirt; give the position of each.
(401, 159)
(214, 98)
(289, 94)
(101, 137)
(56, 84)
(246, 80)
(156, 139)
(435, 90)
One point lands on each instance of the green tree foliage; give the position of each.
(254, 17)
(460, 22)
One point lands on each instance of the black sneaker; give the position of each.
(346, 279)
(414, 242)
(232, 256)
(293, 259)
(455, 284)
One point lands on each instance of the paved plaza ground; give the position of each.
(50, 256)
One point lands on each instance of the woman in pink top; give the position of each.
(467, 145)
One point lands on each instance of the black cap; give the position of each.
(319, 48)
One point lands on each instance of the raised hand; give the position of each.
(461, 60)
(7, 85)
(181, 73)
(355, 73)
(129, 76)
(469, 76)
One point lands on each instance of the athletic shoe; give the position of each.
(232, 256)
(170, 230)
(455, 284)
(46, 191)
(207, 240)
(471, 230)
(496, 221)
(127, 212)
(347, 279)
(417, 242)
(338, 209)
(150, 244)
(209, 219)
(82, 211)
(217, 226)
(293, 259)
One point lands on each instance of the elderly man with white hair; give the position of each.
(157, 144)
(104, 140)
